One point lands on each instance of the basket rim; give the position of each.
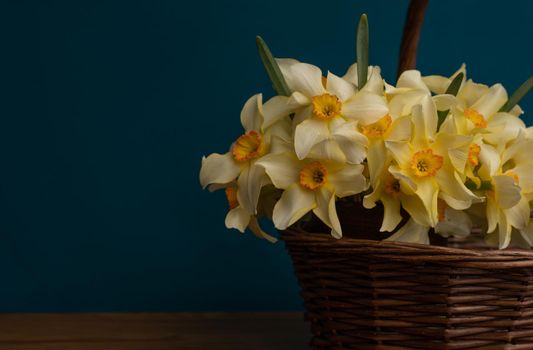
(401, 251)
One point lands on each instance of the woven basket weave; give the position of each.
(365, 294)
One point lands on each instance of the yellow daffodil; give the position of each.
(424, 167)
(238, 165)
(327, 112)
(311, 185)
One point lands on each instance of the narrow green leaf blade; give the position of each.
(271, 66)
(362, 51)
(452, 89)
(518, 95)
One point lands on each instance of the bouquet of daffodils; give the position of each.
(446, 151)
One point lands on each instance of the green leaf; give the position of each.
(362, 51)
(452, 89)
(518, 95)
(271, 66)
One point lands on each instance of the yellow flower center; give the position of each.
(392, 186)
(231, 196)
(326, 106)
(473, 154)
(476, 118)
(313, 176)
(377, 129)
(248, 146)
(425, 163)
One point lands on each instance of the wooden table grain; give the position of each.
(154, 331)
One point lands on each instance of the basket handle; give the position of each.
(411, 35)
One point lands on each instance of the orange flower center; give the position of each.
(231, 196)
(248, 146)
(473, 154)
(425, 163)
(441, 209)
(326, 106)
(377, 129)
(476, 118)
(313, 176)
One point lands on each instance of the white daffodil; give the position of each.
(311, 185)
(476, 109)
(237, 168)
(511, 178)
(424, 167)
(327, 112)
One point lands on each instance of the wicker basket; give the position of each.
(365, 294)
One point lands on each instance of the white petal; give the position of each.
(250, 182)
(413, 80)
(339, 87)
(445, 102)
(492, 101)
(506, 192)
(375, 83)
(350, 140)
(327, 212)
(391, 214)
(365, 107)
(492, 215)
(327, 150)
(218, 169)
(489, 159)
(281, 106)
(349, 180)
(428, 190)
(518, 215)
(400, 129)
(251, 113)
(436, 83)
(377, 159)
(401, 151)
(309, 133)
(294, 203)
(471, 92)
(304, 78)
(282, 168)
(453, 190)
(456, 223)
(411, 232)
(237, 218)
(504, 231)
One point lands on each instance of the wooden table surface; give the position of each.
(154, 331)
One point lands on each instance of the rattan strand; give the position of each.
(363, 294)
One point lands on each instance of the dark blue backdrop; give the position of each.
(107, 107)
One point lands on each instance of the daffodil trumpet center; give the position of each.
(424, 163)
(249, 146)
(392, 186)
(377, 129)
(475, 117)
(473, 154)
(326, 106)
(231, 196)
(313, 176)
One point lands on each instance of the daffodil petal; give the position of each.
(237, 218)
(218, 169)
(327, 212)
(327, 150)
(413, 80)
(294, 203)
(250, 182)
(506, 192)
(453, 190)
(304, 78)
(456, 223)
(365, 107)
(411, 232)
(339, 87)
(282, 168)
(492, 101)
(518, 215)
(251, 113)
(282, 106)
(391, 214)
(309, 133)
(349, 180)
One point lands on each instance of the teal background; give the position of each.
(106, 108)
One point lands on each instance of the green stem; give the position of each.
(518, 95)
(362, 51)
(271, 66)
